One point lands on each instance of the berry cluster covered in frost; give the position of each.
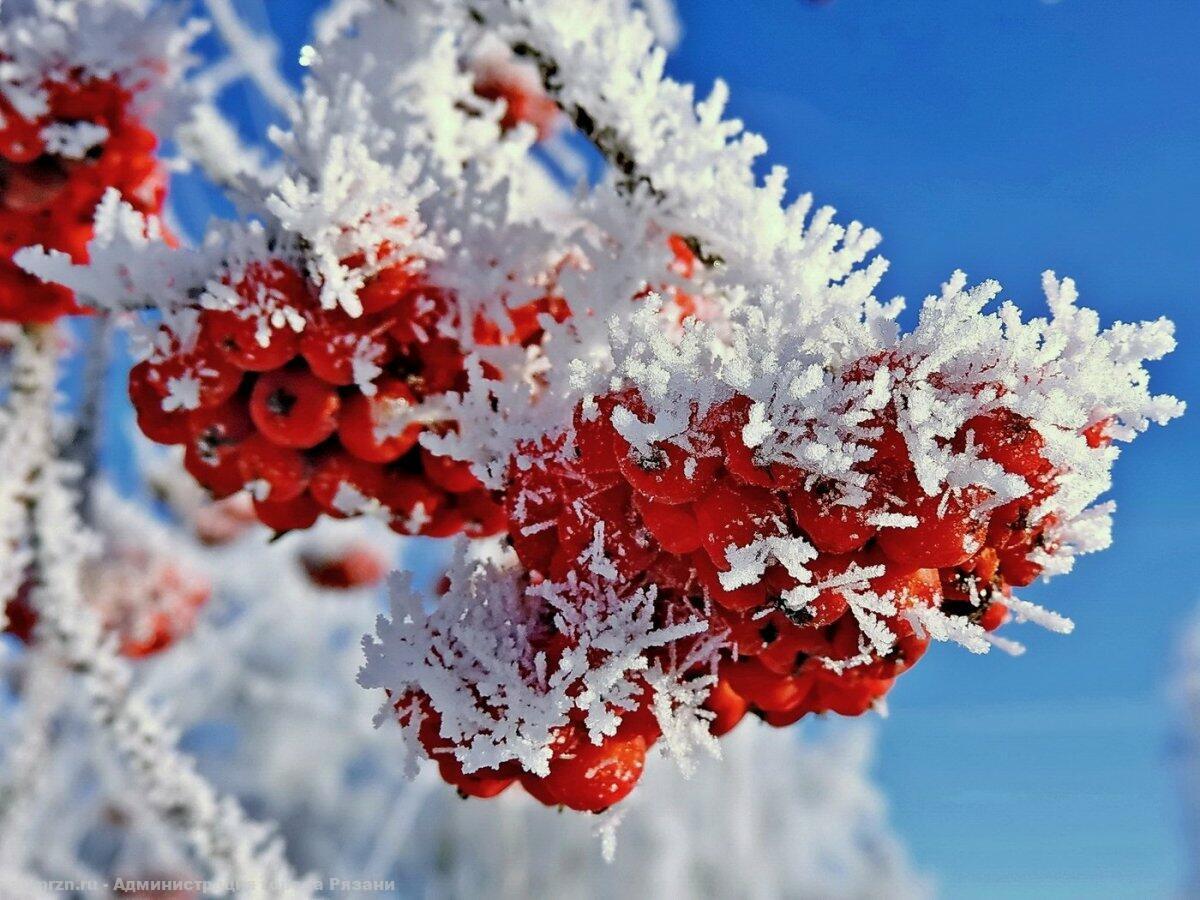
(727, 481)
(809, 817)
(78, 81)
(142, 591)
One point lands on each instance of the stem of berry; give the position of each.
(602, 135)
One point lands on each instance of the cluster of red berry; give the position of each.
(583, 776)
(47, 198)
(148, 611)
(670, 517)
(286, 412)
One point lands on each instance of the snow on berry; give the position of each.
(76, 95)
(564, 684)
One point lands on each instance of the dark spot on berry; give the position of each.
(795, 616)
(655, 461)
(281, 402)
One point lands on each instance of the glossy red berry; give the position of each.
(950, 530)
(272, 473)
(418, 315)
(592, 777)
(994, 615)
(341, 350)
(1008, 439)
(727, 706)
(731, 516)
(200, 378)
(294, 409)
(608, 511)
(288, 515)
(674, 527)
(246, 344)
(832, 527)
(415, 506)
(1017, 568)
(483, 783)
(159, 425)
(596, 440)
(340, 481)
(739, 599)
(385, 289)
(538, 789)
(451, 475)
(667, 473)
(214, 446)
(762, 688)
(446, 520)
(482, 515)
(378, 428)
(829, 605)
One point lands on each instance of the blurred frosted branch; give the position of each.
(257, 53)
(235, 848)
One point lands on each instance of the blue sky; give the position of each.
(1005, 138)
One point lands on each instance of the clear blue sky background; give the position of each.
(1005, 138)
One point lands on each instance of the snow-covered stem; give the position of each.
(84, 447)
(235, 849)
(40, 695)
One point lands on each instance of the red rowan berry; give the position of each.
(354, 567)
(453, 475)
(294, 409)
(384, 289)
(339, 480)
(482, 516)
(238, 339)
(365, 427)
(674, 527)
(667, 473)
(994, 615)
(761, 687)
(160, 426)
(727, 706)
(414, 504)
(288, 515)
(199, 378)
(591, 777)
(1008, 439)
(538, 789)
(832, 527)
(750, 596)
(339, 348)
(274, 474)
(949, 531)
(732, 515)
